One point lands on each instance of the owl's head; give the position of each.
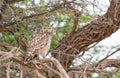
(47, 29)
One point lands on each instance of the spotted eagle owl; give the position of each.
(39, 45)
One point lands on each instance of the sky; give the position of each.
(113, 40)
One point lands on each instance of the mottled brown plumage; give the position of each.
(39, 45)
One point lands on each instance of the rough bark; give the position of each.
(95, 31)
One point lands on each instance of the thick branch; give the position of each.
(96, 31)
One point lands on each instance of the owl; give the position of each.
(39, 45)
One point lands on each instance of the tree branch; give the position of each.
(77, 71)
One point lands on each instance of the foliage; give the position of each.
(21, 20)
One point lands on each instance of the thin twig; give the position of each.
(108, 56)
(51, 69)
(57, 64)
(8, 70)
(76, 13)
(22, 71)
(39, 74)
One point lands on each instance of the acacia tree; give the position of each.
(20, 19)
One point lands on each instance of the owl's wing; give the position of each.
(37, 42)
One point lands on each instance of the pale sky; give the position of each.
(114, 39)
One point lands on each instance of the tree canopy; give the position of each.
(76, 31)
